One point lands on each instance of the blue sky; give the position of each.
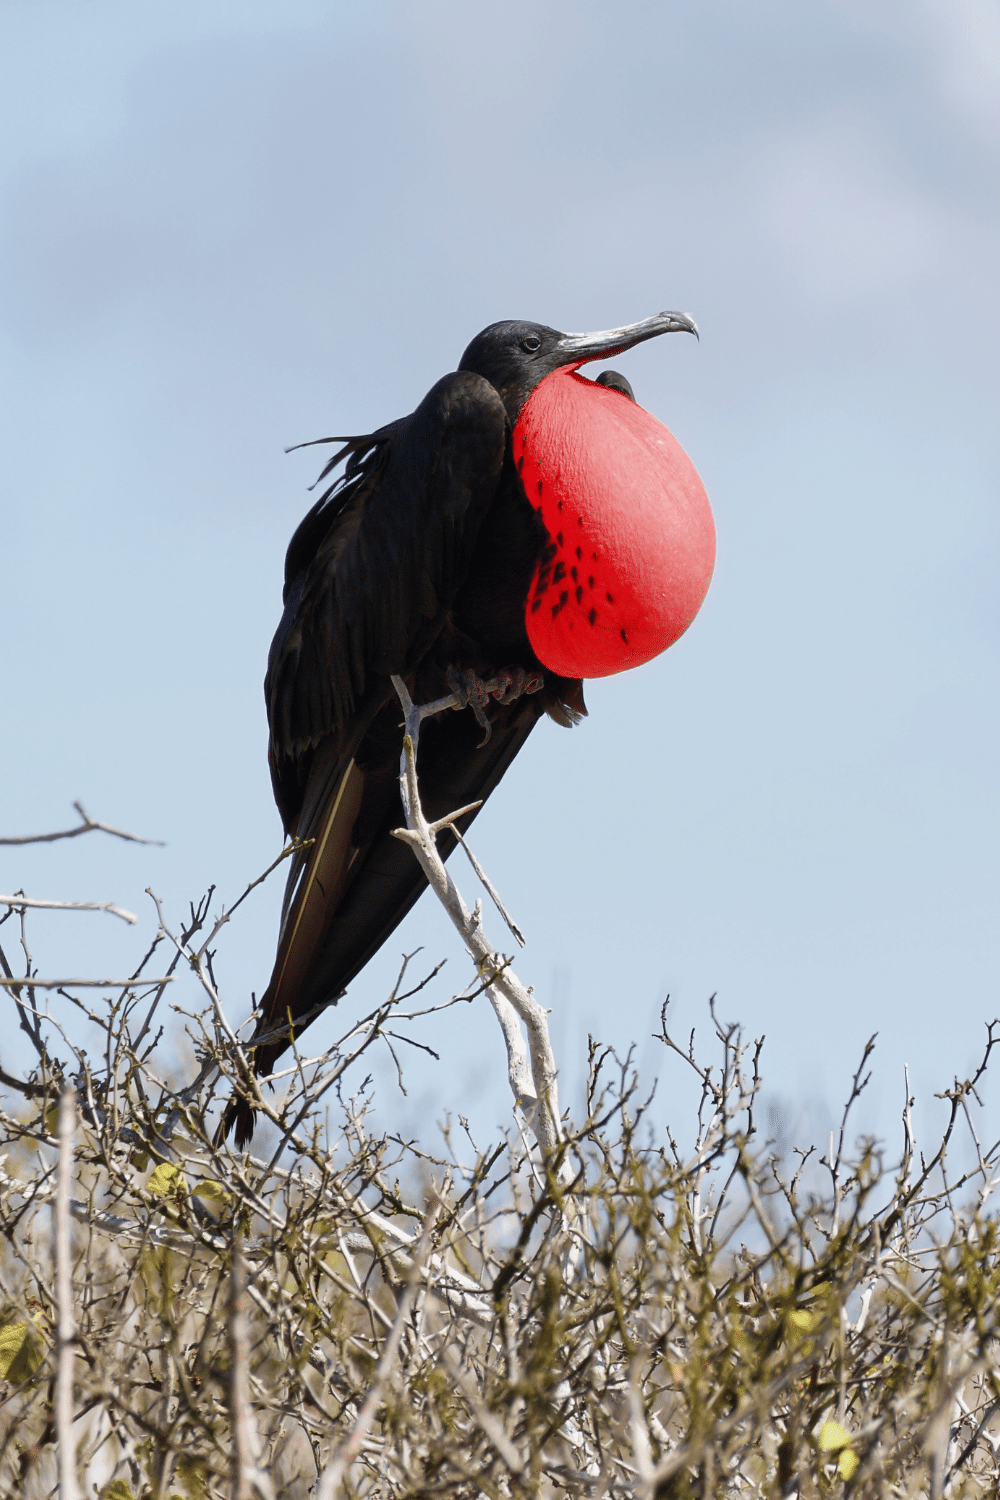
(228, 228)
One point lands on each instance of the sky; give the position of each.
(228, 228)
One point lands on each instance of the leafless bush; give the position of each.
(583, 1307)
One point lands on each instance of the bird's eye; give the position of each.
(531, 343)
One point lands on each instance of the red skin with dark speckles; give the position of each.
(632, 539)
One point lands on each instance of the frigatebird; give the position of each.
(522, 529)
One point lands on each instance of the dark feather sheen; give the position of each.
(415, 560)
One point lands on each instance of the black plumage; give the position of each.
(415, 562)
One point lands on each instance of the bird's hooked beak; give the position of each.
(578, 348)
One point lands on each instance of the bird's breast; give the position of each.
(490, 605)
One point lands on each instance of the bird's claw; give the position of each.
(471, 692)
(511, 683)
(506, 686)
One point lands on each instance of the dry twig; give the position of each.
(69, 1488)
(605, 1313)
(86, 825)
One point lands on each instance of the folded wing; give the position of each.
(370, 577)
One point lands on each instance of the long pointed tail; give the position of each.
(311, 900)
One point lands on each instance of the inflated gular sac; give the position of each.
(631, 536)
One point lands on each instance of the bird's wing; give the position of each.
(342, 914)
(370, 575)
(368, 590)
(386, 881)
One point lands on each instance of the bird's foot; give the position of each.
(511, 683)
(471, 692)
(506, 686)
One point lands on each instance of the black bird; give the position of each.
(418, 561)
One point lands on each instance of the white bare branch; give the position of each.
(108, 906)
(247, 1476)
(541, 1105)
(69, 1488)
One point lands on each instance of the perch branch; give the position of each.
(506, 991)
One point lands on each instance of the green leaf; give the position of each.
(833, 1437)
(166, 1179)
(20, 1352)
(214, 1191)
(191, 1473)
(12, 1339)
(847, 1463)
(117, 1490)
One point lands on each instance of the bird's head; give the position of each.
(631, 540)
(514, 356)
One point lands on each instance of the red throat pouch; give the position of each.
(631, 535)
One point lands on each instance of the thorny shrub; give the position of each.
(357, 1313)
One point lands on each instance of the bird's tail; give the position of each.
(314, 892)
(243, 1116)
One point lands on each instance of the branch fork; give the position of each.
(531, 1067)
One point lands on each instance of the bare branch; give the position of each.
(247, 1476)
(543, 1103)
(88, 825)
(33, 983)
(108, 906)
(493, 894)
(333, 1475)
(622, 1318)
(66, 1323)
